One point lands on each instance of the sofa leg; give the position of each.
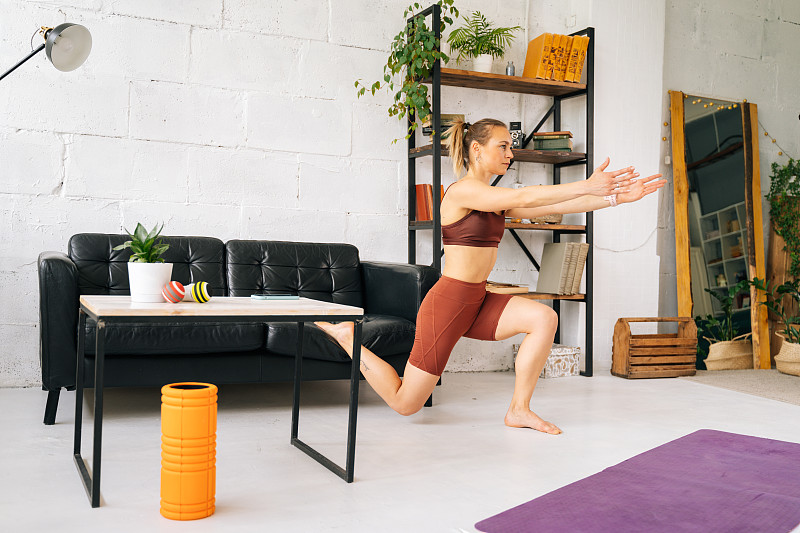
(429, 403)
(51, 407)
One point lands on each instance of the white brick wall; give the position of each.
(239, 119)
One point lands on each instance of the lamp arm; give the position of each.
(12, 69)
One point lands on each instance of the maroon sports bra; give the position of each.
(477, 228)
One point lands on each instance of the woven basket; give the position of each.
(548, 219)
(788, 359)
(730, 355)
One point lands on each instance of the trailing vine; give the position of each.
(414, 51)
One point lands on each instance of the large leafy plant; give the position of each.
(414, 51)
(784, 209)
(718, 330)
(143, 245)
(783, 300)
(478, 37)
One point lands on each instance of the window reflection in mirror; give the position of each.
(716, 204)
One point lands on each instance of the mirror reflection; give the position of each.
(716, 204)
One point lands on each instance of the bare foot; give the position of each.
(341, 333)
(528, 419)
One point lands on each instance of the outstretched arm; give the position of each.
(636, 190)
(473, 194)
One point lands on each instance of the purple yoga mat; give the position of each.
(708, 481)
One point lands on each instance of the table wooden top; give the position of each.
(108, 306)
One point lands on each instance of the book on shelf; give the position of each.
(446, 121)
(562, 267)
(552, 135)
(506, 288)
(564, 145)
(556, 57)
(584, 46)
(425, 201)
(537, 55)
(560, 68)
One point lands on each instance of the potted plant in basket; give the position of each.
(479, 41)
(147, 271)
(727, 350)
(780, 300)
(414, 51)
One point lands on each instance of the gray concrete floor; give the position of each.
(441, 470)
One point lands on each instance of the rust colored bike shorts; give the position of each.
(453, 309)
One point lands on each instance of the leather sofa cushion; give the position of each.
(384, 335)
(326, 272)
(102, 270)
(176, 338)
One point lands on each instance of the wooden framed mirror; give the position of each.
(718, 222)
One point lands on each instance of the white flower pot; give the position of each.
(482, 63)
(147, 280)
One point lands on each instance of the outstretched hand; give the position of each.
(640, 188)
(603, 183)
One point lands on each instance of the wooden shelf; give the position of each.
(521, 155)
(509, 84)
(548, 296)
(570, 228)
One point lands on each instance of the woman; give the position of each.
(473, 220)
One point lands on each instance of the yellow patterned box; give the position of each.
(562, 361)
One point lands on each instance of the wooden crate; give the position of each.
(659, 355)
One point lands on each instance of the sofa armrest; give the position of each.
(396, 289)
(58, 319)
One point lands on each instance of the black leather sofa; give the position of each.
(153, 355)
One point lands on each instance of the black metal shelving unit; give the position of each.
(558, 91)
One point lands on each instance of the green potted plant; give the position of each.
(147, 271)
(414, 51)
(783, 300)
(784, 209)
(727, 350)
(480, 41)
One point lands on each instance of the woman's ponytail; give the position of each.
(455, 145)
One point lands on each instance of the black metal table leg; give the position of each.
(91, 482)
(355, 379)
(298, 377)
(346, 473)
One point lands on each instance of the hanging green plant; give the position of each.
(478, 37)
(782, 300)
(414, 51)
(784, 209)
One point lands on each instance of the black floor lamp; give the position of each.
(67, 46)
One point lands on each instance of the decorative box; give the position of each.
(562, 361)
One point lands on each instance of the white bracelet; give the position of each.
(612, 199)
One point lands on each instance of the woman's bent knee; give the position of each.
(408, 407)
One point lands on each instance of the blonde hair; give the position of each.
(460, 136)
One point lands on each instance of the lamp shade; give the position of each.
(67, 46)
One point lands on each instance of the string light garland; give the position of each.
(720, 107)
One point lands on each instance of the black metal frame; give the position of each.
(91, 482)
(436, 152)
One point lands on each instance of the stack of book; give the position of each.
(559, 141)
(425, 201)
(556, 57)
(562, 267)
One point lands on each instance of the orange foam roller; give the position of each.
(188, 450)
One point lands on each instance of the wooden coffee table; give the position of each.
(119, 310)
